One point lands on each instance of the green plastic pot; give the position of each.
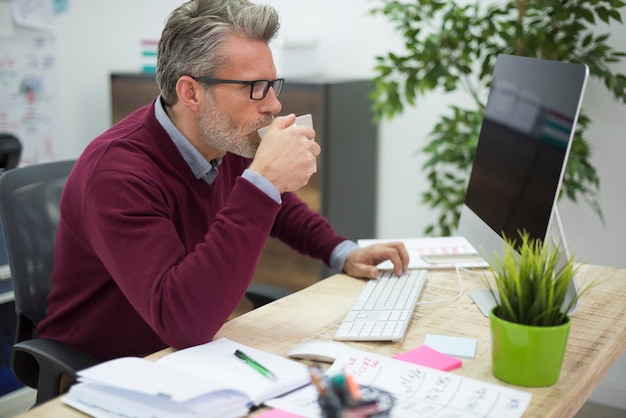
(526, 355)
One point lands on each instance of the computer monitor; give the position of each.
(525, 138)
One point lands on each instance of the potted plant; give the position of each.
(452, 47)
(530, 323)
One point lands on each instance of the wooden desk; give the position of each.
(597, 338)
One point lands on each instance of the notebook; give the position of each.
(205, 380)
(434, 252)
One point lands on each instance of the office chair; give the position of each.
(262, 294)
(29, 209)
(10, 151)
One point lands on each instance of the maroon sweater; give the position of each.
(148, 256)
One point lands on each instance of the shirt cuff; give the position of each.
(340, 253)
(262, 183)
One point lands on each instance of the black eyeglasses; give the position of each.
(258, 88)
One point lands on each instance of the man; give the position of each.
(165, 215)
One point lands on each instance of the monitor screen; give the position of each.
(525, 137)
(526, 134)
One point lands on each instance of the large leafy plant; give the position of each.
(451, 47)
(531, 286)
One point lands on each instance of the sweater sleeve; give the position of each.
(304, 230)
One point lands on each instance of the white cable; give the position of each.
(451, 299)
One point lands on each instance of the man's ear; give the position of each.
(189, 91)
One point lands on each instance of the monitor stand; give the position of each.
(557, 235)
(484, 299)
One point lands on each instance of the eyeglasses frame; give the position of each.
(270, 83)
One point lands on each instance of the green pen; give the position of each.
(255, 365)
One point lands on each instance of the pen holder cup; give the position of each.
(373, 403)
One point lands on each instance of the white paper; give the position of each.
(140, 375)
(29, 96)
(419, 391)
(217, 359)
(432, 246)
(33, 14)
(105, 401)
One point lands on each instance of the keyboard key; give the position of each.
(383, 309)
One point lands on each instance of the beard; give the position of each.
(219, 130)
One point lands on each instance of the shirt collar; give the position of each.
(201, 168)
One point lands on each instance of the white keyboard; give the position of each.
(383, 309)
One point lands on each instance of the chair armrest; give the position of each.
(260, 294)
(40, 363)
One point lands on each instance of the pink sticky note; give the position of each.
(278, 413)
(426, 356)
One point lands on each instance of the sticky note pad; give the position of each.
(453, 346)
(427, 356)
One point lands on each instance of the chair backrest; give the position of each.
(29, 208)
(10, 151)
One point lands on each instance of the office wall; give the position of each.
(97, 37)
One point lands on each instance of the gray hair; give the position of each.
(193, 37)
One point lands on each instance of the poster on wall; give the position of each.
(33, 14)
(29, 102)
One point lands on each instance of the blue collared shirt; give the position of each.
(207, 171)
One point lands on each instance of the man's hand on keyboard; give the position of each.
(362, 262)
